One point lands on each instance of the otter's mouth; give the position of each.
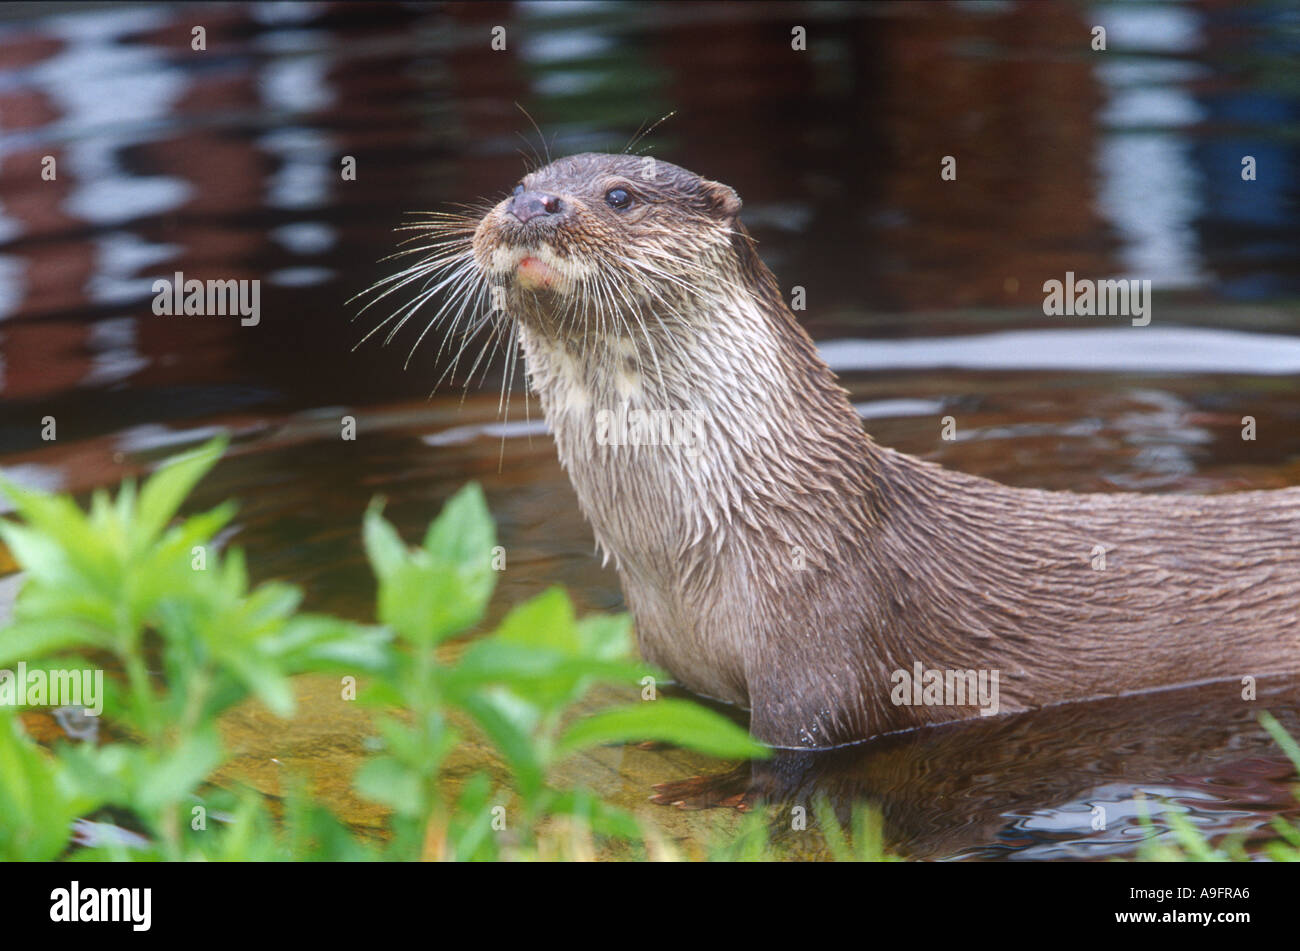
(534, 274)
(531, 266)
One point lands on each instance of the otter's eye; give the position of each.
(618, 198)
(519, 189)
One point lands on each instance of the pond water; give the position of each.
(925, 295)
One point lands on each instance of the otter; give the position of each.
(771, 553)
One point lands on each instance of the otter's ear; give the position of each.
(720, 201)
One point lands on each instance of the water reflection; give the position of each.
(227, 162)
(1066, 782)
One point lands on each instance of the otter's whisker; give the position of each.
(466, 338)
(641, 135)
(465, 283)
(470, 289)
(538, 128)
(507, 389)
(469, 307)
(407, 276)
(458, 276)
(635, 312)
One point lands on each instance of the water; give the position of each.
(925, 295)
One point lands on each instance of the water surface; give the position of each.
(926, 296)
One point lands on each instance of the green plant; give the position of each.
(863, 841)
(119, 582)
(516, 684)
(1191, 844)
(185, 639)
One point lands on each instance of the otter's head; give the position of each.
(593, 237)
(588, 248)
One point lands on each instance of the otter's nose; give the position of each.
(528, 205)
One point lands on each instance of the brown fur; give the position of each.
(794, 564)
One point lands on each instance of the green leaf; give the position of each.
(42, 557)
(603, 818)
(463, 532)
(384, 546)
(184, 768)
(1192, 839)
(316, 835)
(33, 640)
(1283, 739)
(420, 606)
(1287, 831)
(386, 781)
(58, 546)
(543, 621)
(404, 743)
(37, 804)
(198, 529)
(124, 504)
(548, 678)
(266, 682)
(167, 488)
(102, 772)
(832, 832)
(507, 726)
(267, 607)
(317, 642)
(56, 516)
(247, 836)
(607, 636)
(436, 592)
(383, 692)
(473, 838)
(428, 604)
(668, 721)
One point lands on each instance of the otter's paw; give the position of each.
(729, 790)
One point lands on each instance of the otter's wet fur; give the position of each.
(792, 564)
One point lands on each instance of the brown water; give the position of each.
(925, 295)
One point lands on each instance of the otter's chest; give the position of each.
(634, 459)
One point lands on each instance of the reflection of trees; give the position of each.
(857, 128)
(836, 151)
(1251, 229)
